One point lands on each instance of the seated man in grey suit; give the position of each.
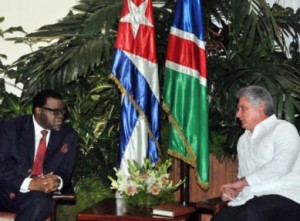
(37, 157)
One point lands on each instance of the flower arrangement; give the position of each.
(147, 184)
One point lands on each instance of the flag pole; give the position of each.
(184, 191)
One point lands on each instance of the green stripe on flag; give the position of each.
(185, 100)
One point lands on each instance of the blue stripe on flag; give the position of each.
(187, 17)
(134, 142)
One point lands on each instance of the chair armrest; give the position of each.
(58, 196)
(66, 196)
(212, 205)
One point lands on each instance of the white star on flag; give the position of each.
(136, 16)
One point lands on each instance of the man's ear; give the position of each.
(37, 111)
(262, 108)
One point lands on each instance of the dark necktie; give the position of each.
(37, 168)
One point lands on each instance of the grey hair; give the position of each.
(258, 95)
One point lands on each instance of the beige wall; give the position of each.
(31, 15)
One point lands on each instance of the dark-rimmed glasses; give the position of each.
(57, 111)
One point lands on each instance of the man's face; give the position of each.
(249, 115)
(51, 115)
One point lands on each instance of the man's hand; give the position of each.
(228, 194)
(231, 190)
(46, 183)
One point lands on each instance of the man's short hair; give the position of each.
(40, 99)
(256, 96)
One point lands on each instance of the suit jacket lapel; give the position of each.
(27, 139)
(52, 145)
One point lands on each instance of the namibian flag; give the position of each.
(185, 93)
(135, 72)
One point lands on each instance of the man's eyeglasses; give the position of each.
(56, 112)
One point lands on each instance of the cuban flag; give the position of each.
(135, 71)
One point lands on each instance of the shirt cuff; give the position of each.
(25, 185)
(252, 179)
(61, 183)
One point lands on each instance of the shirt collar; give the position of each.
(37, 127)
(265, 124)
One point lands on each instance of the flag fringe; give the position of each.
(192, 160)
(139, 110)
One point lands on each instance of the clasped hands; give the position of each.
(231, 190)
(46, 183)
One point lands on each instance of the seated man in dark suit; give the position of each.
(37, 156)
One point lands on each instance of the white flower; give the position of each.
(144, 179)
(151, 179)
(130, 188)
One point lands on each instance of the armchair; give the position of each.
(67, 196)
(210, 206)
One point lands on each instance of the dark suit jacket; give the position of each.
(17, 152)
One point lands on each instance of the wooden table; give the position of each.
(113, 209)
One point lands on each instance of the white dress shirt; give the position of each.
(269, 159)
(38, 135)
